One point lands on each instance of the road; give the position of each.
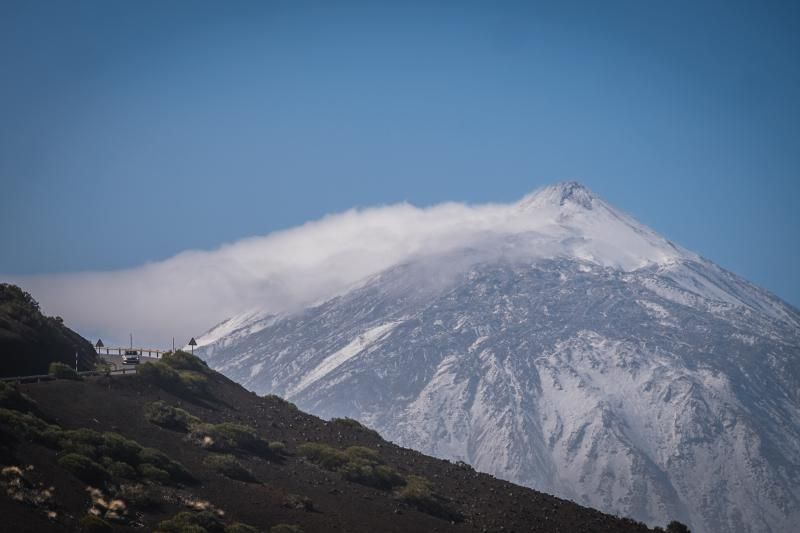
(116, 360)
(117, 368)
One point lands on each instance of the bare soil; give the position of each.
(117, 404)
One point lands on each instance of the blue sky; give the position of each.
(131, 131)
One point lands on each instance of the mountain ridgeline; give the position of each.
(583, 355)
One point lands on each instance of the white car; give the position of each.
(131, 357)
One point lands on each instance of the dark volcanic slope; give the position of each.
(117, 404)
(30, 341)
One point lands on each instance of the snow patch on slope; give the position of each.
(226, 328)
(336, 359)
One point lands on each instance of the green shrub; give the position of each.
(227, 437)
(180, 360)
(192, 522)
(228, 466)
(82, 449)
(285, 528)
(158, 459)
(142, 497)
(418, 493)
(365, 466)
(356, 463)
(238, 436)
(82, 436)
(84, 468)
(123, 453)
(274, 398)
(94, 524)
(122, 457)
(49, 436)
(82, 441)
(362, 453)
(123, 470)
(154, 474)
(85, 448)
(238, 527)
(179, 473)
(378, 476)
(323, 455)
(11, 398)
(108, 447)
(193, 383)
(30, 427)
(352, 424)
(280, 401)
(62, 371)
(154, 457)
(277, 447)
(180, 382)
(160, 374)
(120, 448)
(416, 489)
(165, 415)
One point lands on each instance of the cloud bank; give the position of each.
(189, 293)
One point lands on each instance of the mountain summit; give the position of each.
(561, 194)
(567, 347)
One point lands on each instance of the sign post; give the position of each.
(192, 343)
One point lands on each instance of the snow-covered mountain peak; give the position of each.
(590, 229)
(571, 204)
(559, 343)
(567, 193)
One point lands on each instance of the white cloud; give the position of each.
(187, 294)
(190, 292)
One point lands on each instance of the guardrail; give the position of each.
(28, 379)
(119, 350)
(119, 371)
(47, 377)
